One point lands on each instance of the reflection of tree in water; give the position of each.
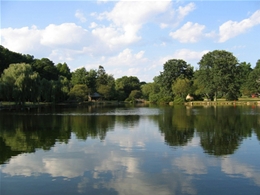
(222, 129)
(26, 133)
(177, 125)
(128, 120)
(94, 126)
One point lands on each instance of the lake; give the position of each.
(131, 150)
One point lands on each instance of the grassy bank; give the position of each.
(240, 101)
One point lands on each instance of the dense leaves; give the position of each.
(219, 76)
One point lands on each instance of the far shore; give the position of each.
(220, 102)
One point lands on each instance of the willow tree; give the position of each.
(20, 83)
(218, 75)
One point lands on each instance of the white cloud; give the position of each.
(184, 11)
(232, 29)
(23, 39)
(27, 39)
(93, 25)
(113, 37)
(127, 18)
(187, 54)
(64, 34)
(189, 32)
(80, 16)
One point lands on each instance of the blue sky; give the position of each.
(130, 38)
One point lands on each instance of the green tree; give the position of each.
(218, 75)
(20, 83)
(79, 77)
(64, 70)
(105, 84)
(125, 85)
(8, 57)
(45, 90)
(173, 69)
(79, 92)
(148, 89)
(135, 94)
(91, 78)
(244, 70)
(107, 89)
(253, 80)
(181, 88)
(46, 69)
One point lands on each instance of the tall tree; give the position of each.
(64, 70)
(8, 57)
(79, 76)
(125, 85)
(105, 83)
(253, 80)
(20, 83)
(91, 78)
(46, 69)
(244, 70)
(173, 69)
(218, 74)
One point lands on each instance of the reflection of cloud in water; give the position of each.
(126, 176)
(25, 165)
(233, 168)
(69, 168)
(129, 138)
(33, 165)
(191, 164)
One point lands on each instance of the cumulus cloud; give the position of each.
(232, 29)
(64, 34)
(125, 63)
(127, 18)
(27, 39)
(187, 54)
(80, 16)
(189, 32)
(23, 39)
(184, 11)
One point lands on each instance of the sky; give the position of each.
(130, 38)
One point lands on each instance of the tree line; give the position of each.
(220, 75)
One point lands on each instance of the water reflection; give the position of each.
(167, 150)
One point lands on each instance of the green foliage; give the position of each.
(172, 70)
(244, 70)
(46, 69)
(181, 88)
(218, 74)
(79, 77)
(19, 83)
(79, 93)
(149, 88)
(63, 70)
(105, 84)
(125, 85)
(91, 78)
(253, 84)
(8, 57)
(135, 94)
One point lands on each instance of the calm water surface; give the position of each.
(131, 150)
